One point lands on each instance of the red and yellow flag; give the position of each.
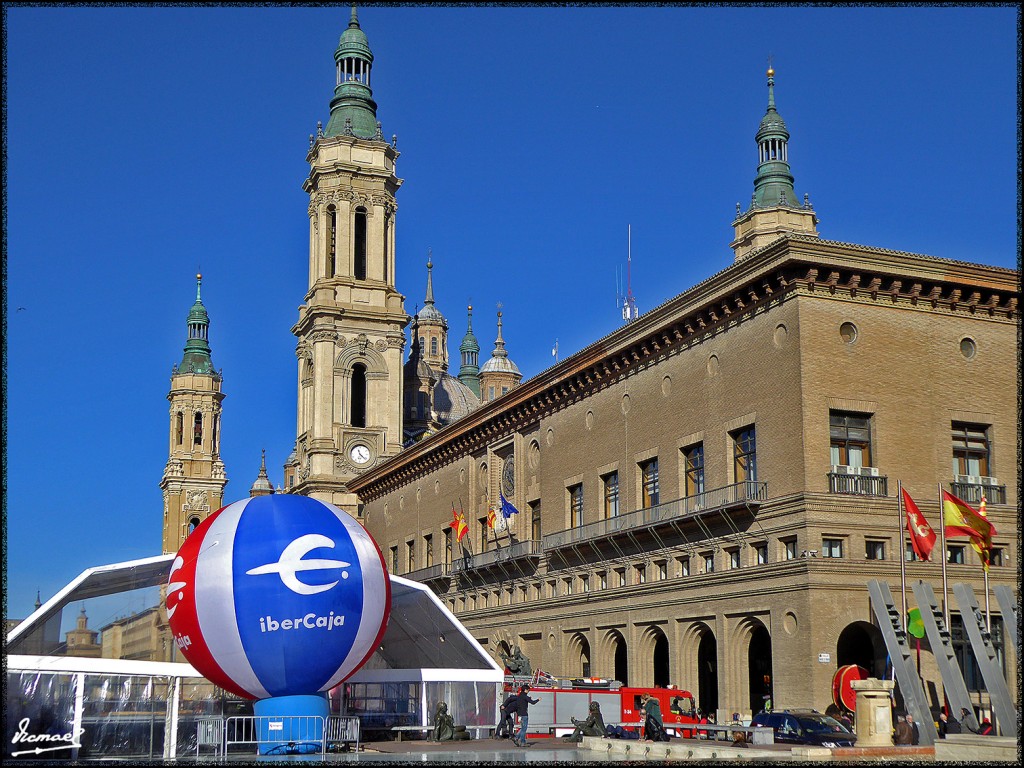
(922, 537)
(985, 551)
(490, 517)
(459, 525)
(961, 519)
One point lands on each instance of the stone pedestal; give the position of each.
(873, 721)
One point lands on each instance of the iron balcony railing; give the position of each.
(718, 498)
(858, 485)
(521, 549)
(431, 572)
(971, 492)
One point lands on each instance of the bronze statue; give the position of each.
(592, 726)
(517, 664)
(444, 724)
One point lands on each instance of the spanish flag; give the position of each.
(458, 525)
(963, 520)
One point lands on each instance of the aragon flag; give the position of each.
(490, 517)
(963, 520)
(922, 536)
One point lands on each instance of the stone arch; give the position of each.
(613, 657)
(577, 656)
(750, 664)
(700, 646)
(360, 350)
(861, 642)
(653, 648)
(359, 355)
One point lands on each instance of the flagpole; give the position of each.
(902, 548)
(944, 557)
(986, 554)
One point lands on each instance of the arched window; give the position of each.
(197, 430)
(332, 241)
(433, 345)
(359, 266)
(216, 425)
(192, 523)
(358, 395)
(179, 428)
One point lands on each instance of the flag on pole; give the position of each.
(922, 537)
(962, 519)
(490, 517)
(459, 525)
(984, 551)
(507, 509)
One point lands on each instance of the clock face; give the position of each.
(508, 477)
(360, 454)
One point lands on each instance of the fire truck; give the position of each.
(563, 699)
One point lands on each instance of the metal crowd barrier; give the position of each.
(281, 730)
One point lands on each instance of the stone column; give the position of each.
(873, 720)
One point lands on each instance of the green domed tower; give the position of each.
(469, 373)
(774, 210)
(353, 110)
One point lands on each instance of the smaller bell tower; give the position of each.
(194, 478)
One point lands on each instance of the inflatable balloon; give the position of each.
(278, 595)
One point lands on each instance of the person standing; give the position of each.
(654, 727)
(523, 702)
(506, 726)
(904, 735)
(915, 734)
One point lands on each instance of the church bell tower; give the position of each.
(194, 478)
(351, 328)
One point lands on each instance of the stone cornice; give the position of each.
(790, 266)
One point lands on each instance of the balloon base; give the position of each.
(291, 725)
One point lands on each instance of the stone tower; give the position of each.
(499, 374)
(774, 210)
(194, 478)
(351, 328)
(469, 350)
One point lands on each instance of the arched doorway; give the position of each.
(759, 663)
(707, 672)
(660, 659)
(578, 656)
(621, 661)
(861, 643)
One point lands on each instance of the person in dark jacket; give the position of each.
(506, 726)
(523, 702)
(986, 728)
(654, 727)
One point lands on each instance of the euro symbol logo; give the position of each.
(291, 562)
(175, 586)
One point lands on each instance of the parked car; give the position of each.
(806, 726)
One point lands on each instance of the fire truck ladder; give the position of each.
(981, 643)
(895, 636)
(938, 638)
(1010, 611)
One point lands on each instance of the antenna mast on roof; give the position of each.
(629, 308)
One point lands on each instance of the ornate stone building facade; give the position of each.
(704, 493)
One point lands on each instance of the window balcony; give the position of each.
(859, 481)
(970, 487)
(430, 573)
(689, 506)
(521, 550)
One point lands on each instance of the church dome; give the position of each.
(353, 41)
(453, 399)
(500, 364)
(431, 314)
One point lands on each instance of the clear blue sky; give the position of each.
(143, 143)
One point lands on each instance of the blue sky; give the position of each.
(145, 143)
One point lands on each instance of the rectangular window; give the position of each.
(611, 494)
(650, 488)
(761, 553)
(640, 572)
(874, 550)
(744, 455)
(996, 556)
(620, 576)
(956, 554)
(790, 545)
(410, 551)
(585, 583)
(970, 449)
(394, 559)
(684, 566)
(428, 550)
(831, 547)
(535, 520)
(693, 461)
(910, 555)
(734, 559)
(576, 506)
(568, 586)
(448, 545)
(850, 438)
(709, 562)
(602, 579)
(552, 589)
(662, 566)
(483, 533)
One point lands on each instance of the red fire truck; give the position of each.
(561, 700)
